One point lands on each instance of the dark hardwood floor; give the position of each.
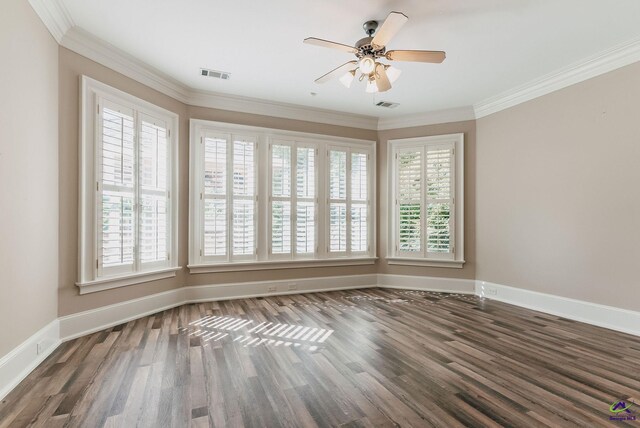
(355, 358)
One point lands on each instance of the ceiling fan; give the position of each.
(369, 50)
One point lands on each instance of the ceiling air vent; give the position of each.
(216, 74)
(387, 104)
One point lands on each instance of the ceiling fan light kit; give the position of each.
(369, 50)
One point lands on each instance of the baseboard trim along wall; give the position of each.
(82, 323)
(427, 283)
(21, 361)
(24, 358)
(622, 320)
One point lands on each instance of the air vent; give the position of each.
(387, 104)
(215, 74)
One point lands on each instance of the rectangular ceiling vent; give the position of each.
(387, 104)
(215, 74)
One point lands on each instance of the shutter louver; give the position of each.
(409, 194)
(439, 161)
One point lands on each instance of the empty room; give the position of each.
(297, 213)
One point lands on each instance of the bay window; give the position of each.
(312, 205)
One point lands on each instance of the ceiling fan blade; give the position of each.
(389, 28)
(336, 72)
(417, 56)
(382, 80)
(328, 44)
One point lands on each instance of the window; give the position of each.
(228, 197)
(127, 216)
(348, 201)
(293, 200)
(426, 191)
(311, 206)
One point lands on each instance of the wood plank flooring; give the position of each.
(352, 359)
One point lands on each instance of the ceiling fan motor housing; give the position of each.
(365, 48)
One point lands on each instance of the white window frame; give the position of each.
(422, 258)
(266, 137)
(91, 278)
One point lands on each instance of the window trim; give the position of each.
(267, 136)
(394, 146)
(88, 281)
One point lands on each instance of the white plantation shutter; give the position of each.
(409, 200)
(133, 190)
(153, 171)
(359, 202)
(337, 201)
(293, 199)
(349, 188)
(439, 199)
(117, 191)
(305, 215)
(229, 197)
(244, 196)
(215, 195)
(281, 191)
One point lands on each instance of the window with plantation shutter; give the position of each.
(426, 190)
(265, 199)
(127, 215)
(228, 199)
(349, 201)
(293, 199)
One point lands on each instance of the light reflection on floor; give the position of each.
(214, 329)
(251, 333)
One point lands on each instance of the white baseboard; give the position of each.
(609, 317)
(23, 359)
(16, 365)
(207, 293)
(82, 323)
(87, 322)
(427, 283)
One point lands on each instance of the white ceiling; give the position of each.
(492, 45)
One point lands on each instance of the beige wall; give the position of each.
(558, 196)
(469, 130)
(28, 174)
(72, 66)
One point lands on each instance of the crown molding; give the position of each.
(97, 50)
(596, 65)
(282, 110)
(54, 16)
(430, 118)
(60, 24)
(87, 45)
